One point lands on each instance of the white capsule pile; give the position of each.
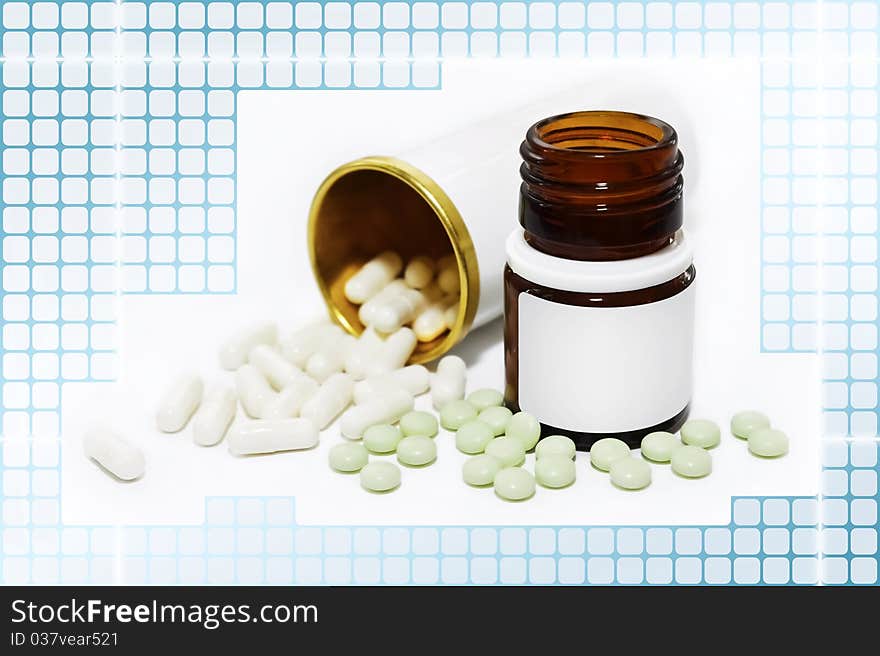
(423, 295)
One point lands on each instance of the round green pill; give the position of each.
(514, 484)
(473, 437)
(691, 462)
(555, 445)
(480, 470)
(348, 457)
(555, 471)
(380, 476)
(659, 446)
(508, 450)
(485, 398)
(456, 414)
(418, 422)
(416, 450)
(744, 423)
(606, 451)
(630, 473)
(381, 438)
(701, 432)
(497, 417)
(768, 443)
(525, 428)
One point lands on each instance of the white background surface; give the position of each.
(287, 142)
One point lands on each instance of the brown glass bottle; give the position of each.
(600, 208)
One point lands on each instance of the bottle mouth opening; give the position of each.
(601, 134)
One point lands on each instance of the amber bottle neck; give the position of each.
(600, 185)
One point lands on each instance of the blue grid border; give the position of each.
(118, 155)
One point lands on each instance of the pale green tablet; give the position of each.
(768, 443)
(744, 423)
(456, 414)
(348, 457)
(525, 428)
(555, 445)
(485, 398)
(382, 438)
(480, 470)
(418, 422)
(380, 476)
(659, 446)
(416, 450)
(514, 484)
(630, 473)
(497, 417)
(701, 432)
(605, 451)
(555, 471)
(473, 437)
(691, 462)
(508, 450)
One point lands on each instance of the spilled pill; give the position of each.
(701, 432)
(253, 390)
(331, 399)
(383, 410)
(115, 454)
(497, 418)
(290, 400)
(348, 457)
(659, 446)
(455, 414)
(416, 450)
(373, 276)
(275, 367)
(485, 398)
(473, 436)
(382, 438)
(413, 379)
(744, 423)
(449, 381)
(419, 422)
(393, 352)
(514, 484)
(768, 443)
(330, 359)
(507, 450)
(300, 345)
(555, 445)
(271, 435)
(480, 470)
(606, 451)
(214, 417)
(234, 352)
(380, 476)
(525, 428)
(555, 471)
(362, 353)
(691, 461)
(179, 403)
(630, 473)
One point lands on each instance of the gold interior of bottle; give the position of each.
(376, 204)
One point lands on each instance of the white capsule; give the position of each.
(115, 454)
(357, 360)
(271, 435)
(331, 399)
(393, 353)
(419, 272)
(214, 416)
(367, 311)
(298, 346)
(430, 323)
(179, 403)
(331, 358)
(398, 310)
(277, 369)
(254, 390)
(383, 410)
(450, 314)
(448, 279)
(413, 379)
(432, 293)
(290, 400)
(448, 384)
(235, 351)
(373, 276)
